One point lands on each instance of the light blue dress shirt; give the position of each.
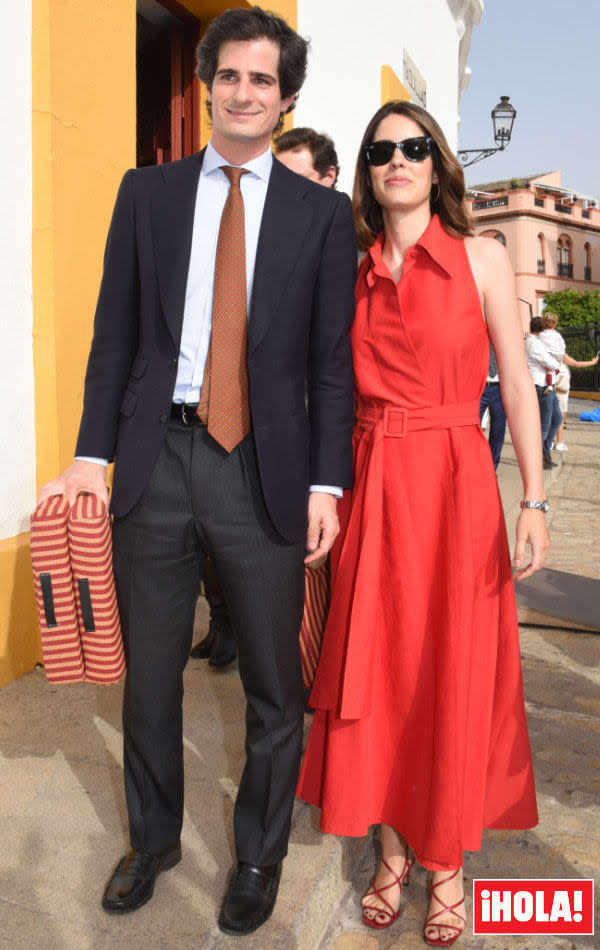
(213, 188)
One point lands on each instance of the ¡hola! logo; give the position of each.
(537, 906)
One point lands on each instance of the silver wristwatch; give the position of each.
(542, 505)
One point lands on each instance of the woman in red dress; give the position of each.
(420, 721)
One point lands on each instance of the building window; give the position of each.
(498, 236)
(587, 262)
(564, 262)
(541, 257)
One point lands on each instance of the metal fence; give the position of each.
(582, 344)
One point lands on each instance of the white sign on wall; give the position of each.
(414, 81)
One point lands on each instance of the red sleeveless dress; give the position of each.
(420, 719)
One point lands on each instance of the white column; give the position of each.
(17, 439)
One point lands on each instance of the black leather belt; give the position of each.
(186, 414)
(494, 382)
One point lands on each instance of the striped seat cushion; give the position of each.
(314, 618)
(90, 547)
(61, 646)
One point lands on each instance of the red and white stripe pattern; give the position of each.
(61, 647)
(314, 618)
(90, 547)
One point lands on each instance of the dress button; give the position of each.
(163, 417)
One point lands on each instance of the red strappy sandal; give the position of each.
(391, 914)
(445, 907)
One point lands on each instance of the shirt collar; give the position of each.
(260, 166)
(436, 242)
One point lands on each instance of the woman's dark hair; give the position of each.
(536, 325)
(448, 203)
(321, 148)
(254, 24)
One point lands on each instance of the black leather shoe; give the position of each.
(132, 881)
(549, 462)
(250, 898)
(203, 648)
(224, 649)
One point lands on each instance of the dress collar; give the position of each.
(436, 242)
(260, 166)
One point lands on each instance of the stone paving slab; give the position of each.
(561, 672)
(63, 822)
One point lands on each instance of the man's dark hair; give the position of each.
(254, 24)
(535, 325)
(321, 148)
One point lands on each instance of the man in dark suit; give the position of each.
(220, 381)
(312, 154)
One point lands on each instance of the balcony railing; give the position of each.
(541, 267)
(587, 273)
(491, 203)
(564, 209)
(564, 270)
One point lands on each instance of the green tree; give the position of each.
(574, 309)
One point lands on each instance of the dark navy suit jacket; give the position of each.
(299, 359)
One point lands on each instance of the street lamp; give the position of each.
(503, 117)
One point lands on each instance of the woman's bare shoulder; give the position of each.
(489, 260)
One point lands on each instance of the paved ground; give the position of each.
(63, 822)
(562, 675)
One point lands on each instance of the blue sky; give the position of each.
(544, 55)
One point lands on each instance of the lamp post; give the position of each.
(503, 117)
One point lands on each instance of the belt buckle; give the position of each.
(184, 418)
(386, 422)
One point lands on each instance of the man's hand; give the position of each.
(79, 477)
(323, 525)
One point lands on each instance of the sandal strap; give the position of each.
(397, 882)
(446, 908)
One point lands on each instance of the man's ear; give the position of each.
(328, 179)
(286, 103)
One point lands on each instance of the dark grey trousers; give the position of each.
(201, 501)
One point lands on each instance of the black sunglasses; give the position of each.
(414, 150)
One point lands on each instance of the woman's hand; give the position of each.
(532, 530)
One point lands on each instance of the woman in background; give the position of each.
(420, 721)
(555, 344)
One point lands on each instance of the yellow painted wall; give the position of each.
(83, 127)
(19, 645)
(84, 139)
(391, 87)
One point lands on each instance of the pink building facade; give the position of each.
(552, 234)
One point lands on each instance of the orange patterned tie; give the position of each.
(224, 404)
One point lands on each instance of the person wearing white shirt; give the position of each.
(555, 344)
(540, 362)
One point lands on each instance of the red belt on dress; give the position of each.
(398, 421)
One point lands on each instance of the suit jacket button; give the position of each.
(163, 417)
(174, 360)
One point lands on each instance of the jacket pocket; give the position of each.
(139, 366)
(129, 402)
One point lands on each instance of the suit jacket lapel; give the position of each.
(285, 221)
(173, 207)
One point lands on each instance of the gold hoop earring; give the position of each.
(433, 200)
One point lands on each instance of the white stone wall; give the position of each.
(351, 40)
(17, 436)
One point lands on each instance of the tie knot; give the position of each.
(234, 174)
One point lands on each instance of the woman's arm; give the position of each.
(496, 282)
(579, 364)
